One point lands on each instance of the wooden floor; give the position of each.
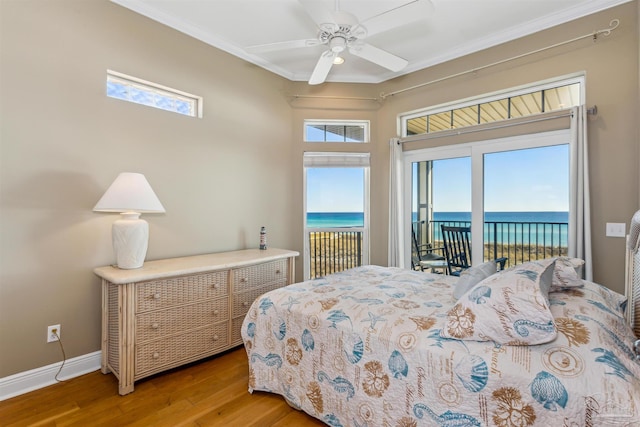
(212, 392)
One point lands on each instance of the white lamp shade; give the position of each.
(130, 192)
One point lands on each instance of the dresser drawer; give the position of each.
(156, 324)
(160, 354)
(256, 275)
(163, 293)
(243, 300)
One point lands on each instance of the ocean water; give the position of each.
(503, 216)
(506, 232)
(356, 219)
(514, 227)
(335, 219)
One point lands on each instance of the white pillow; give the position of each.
(510, 307)
(565, 274)
(472, 276)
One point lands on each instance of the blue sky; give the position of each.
(521, 180)
(335, 190)
(534, 179)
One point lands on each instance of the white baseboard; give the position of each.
(24, 382)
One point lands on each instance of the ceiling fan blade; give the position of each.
(322, 68)
(317, 11)
(378, 56)
(401, 15)
(292, 44)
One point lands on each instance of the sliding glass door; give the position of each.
(513, 192)
(441, 194)
(526, 203)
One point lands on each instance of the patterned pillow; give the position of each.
(604, 298)
(472, 276)
(510, 307)
(565, 274)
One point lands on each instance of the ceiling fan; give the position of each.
(340, 31)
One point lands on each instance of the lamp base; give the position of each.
(130, 236)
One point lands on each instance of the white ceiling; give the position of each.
(453, 28)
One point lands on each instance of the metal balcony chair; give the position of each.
(457, 249)
(425, 256)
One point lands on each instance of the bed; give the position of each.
(379, 346)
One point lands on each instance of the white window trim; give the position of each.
(365, 123)
(492, 96)
(342, 160)
(337, 160)
(161, 89)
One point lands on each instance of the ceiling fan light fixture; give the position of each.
(337, 44)
(341, 31)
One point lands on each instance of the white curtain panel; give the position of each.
(396, 236)
(580, 223)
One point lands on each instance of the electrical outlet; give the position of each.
(51, 336)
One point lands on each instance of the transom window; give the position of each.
(529, 101)
(336, 131)
(138, 91)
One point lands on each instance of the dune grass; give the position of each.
(331, 252)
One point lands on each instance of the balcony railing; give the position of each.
(331, 251)
(519, 242)
(334, 250)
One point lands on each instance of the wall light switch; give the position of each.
(616, 229)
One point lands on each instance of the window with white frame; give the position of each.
(356, 131)
(132, 89)
(336, 208)
(540, 98)
(515, 189)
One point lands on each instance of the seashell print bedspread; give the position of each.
(363, 348)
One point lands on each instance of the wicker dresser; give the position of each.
(174, 311)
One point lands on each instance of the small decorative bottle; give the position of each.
(263, 238)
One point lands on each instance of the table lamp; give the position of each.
(130, 195)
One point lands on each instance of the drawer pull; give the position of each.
(216, 286)
(215, 338)
(278, 271)
(156, 355)
(245, 304)
(216, 312)
(156, 296)
(154, 326)
(243, 280)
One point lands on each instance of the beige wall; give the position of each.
(222, 177)
(612, 73)
(63, 142)
(611, 67)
